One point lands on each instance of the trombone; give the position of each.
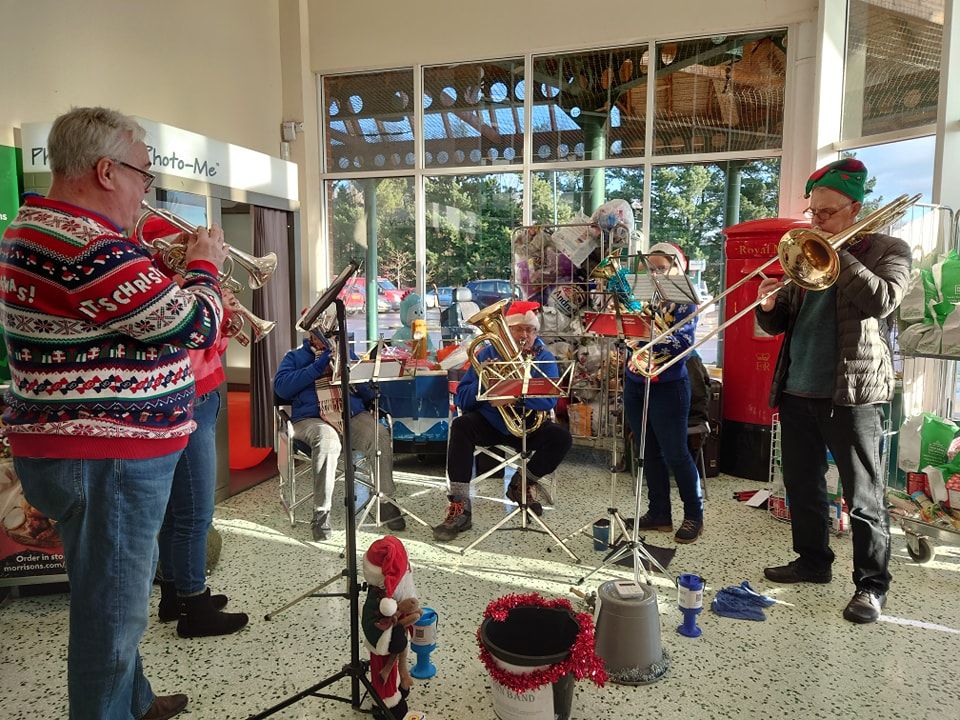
(810, 258)
(259, 270)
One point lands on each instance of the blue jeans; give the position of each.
(109, 514)
(183, 535)
(666, 448)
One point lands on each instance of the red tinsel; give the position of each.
(582, 661)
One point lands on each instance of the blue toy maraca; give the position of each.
(424, 642)
(690, 599)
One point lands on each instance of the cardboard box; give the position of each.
(917, 481)
(953, 491)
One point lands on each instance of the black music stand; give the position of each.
(356, 669)
(515, 380)
(374, 372)
(669, 287)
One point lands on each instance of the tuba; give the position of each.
(493, 328)
(259, 270)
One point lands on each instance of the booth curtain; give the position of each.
(271, 302)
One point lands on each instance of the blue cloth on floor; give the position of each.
(741, 602)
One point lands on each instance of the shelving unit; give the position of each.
(552, 264)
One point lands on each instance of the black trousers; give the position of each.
(549, 445)
(808, 427)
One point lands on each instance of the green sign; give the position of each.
(9, 184)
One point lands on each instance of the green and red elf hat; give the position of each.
(846, 176)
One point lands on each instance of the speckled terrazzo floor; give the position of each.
(804, 661)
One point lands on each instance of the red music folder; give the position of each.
(606, 324)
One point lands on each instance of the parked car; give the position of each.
(487, 292)
(442, 297)
(354, 296)
(390, 292)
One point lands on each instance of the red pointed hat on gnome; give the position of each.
(386, 560)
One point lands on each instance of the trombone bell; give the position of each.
(808, 258)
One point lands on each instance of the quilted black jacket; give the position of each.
(873, 279)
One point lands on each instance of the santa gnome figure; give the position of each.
(389, 611)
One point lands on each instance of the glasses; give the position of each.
(823, 213)
(523, 329)
(148, 177)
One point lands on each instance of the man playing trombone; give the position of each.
(832, 377)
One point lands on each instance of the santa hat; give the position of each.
(158, 227)
(384, 565)
(668, 248)
(523, 312)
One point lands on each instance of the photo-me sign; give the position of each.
(185, 154)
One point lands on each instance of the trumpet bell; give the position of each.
(809, 259)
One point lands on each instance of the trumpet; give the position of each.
(259, 270)
(614, 277)
(810, 258)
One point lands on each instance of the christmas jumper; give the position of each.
(97, 338)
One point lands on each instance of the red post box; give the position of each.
(749, 354)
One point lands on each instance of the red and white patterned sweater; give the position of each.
(97, 338)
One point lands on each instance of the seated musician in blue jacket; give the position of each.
(481, 424)
(303, 378)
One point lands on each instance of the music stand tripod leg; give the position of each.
(312, 592)
(539, 521)
(490, 531)
(634, 545)
(527, 510)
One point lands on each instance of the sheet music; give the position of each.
(672, 288)
(379, 369)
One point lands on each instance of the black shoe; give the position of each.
(458, 520)
(864, 607)
(165, 706)
(390, 514)
(198, 618)
(320, 525)
(689, 531)
(533, 497)
(169, 609)
(648, 522)
(794, 572)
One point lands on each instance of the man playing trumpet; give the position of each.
(480, 423)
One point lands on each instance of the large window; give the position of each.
(369, 121)
(719, 94)
(692, 204)
(567, 196)
(589, 105)
(469, 219)
(892, 62)
(473, 114)
(687, 132)
(371, 220)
